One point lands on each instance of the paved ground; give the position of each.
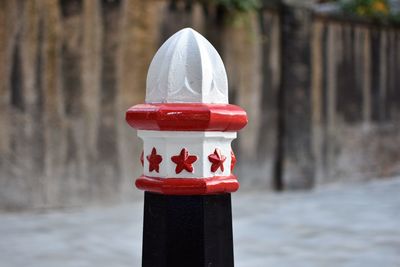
(356, 226)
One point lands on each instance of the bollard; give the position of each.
(187, 126)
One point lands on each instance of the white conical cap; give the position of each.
(187, 69)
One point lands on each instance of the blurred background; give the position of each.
(319, 80)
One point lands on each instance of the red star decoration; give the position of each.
(183, 161)
(217, 160)
(154, 160)
(233, 160)
(142, 158)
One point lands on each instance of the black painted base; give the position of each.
(187, 231)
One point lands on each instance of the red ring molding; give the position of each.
(187, 117)
(188, 186)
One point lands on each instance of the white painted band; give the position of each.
(200, 144)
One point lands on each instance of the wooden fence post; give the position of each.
(295, 159)
(187, 127)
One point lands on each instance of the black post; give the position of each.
(187, 157)
(193, 231)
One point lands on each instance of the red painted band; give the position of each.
(187, 117)
(188, 186)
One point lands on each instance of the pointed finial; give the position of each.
(187, 69)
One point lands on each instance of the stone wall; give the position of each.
(321, 94)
